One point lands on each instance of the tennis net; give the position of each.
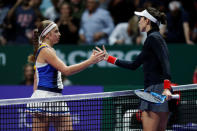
(108, 111)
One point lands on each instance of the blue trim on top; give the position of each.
(37, 53)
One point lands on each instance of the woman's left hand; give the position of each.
(167, 93)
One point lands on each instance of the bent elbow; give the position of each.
(66, 72)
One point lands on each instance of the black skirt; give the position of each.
(146, 106)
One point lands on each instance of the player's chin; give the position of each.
(57, 41)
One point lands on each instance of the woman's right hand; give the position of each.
(105, 52)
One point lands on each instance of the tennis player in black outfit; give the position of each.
(156, 67)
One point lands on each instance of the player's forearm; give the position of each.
(11, 12)
(73, 69)
(186, 31)
(125, 64)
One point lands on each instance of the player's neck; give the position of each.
(48, 43)
(148, 28)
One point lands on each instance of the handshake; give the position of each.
(101, 54)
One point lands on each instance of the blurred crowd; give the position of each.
(95, 22)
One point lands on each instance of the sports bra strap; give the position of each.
(39, 49)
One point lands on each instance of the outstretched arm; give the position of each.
(122, 63)
(52, 59)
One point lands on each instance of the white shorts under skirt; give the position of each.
(47, 108)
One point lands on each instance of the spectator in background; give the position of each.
(35, 4)
(177, 30)
(159, 4)
(194, 33)
(126, 33)
(121, 10)
(45, 5)
(96, 24)
(78, 7)
(22, 17)
(195, 76)
(68, 26)
(104, 4)
(3, 13)
(191, 7)
(28, 75)
(52, 13)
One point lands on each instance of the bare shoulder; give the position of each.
(47, 54)
(47, 51)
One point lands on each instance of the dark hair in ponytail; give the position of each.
(160, 16)
(36, 33)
